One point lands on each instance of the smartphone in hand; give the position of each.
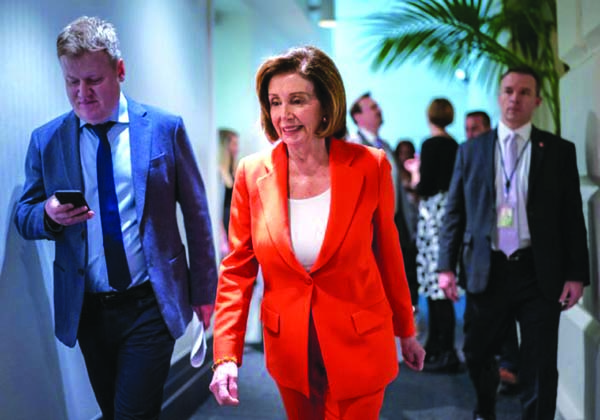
(74, 197)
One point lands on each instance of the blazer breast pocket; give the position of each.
(158, 162)
(160, 171)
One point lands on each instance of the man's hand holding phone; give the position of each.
(68, 208)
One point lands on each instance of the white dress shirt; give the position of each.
(520, 179)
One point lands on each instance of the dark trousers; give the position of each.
(127, 350)
(509, 355)
(441, 325)
(513, 293)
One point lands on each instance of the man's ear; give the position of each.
(121, 70)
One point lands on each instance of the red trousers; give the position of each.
(323, 407)
(320, 405)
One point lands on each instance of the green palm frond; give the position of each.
(484, 37)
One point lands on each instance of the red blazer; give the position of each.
(357, 289)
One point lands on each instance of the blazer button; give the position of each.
(81, 271)
(308, 280)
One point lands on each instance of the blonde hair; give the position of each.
(227, 162)
(88, 34)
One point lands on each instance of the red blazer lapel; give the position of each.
(273, 192)
(346, 184)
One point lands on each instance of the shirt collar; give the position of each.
(119, 115)
(370, 137)
(524, 131)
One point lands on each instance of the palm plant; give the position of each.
(483, 37)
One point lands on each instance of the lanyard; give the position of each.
(507, 178)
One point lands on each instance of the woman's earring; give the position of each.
(324, 119)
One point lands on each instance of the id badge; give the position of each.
(506, 216)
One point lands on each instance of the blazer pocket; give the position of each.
(158, 161)
(270, 320)
(372, 317)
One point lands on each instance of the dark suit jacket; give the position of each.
(554, 213)
(164, 173)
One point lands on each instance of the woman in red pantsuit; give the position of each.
(317, 214)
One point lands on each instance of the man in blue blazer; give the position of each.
(122, 284)
(518, 216)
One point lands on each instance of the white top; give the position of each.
(520, 180)
(308, 222)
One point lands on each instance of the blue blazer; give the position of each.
(164, 173)
(554, 213)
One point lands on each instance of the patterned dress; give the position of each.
(431, 212)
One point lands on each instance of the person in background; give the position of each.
(407, 226)
(228, 159)
(524, 246)
(477, 123)
(436, 163)
(404, 151)
(367, 115)
(122, 284)
(316, 213)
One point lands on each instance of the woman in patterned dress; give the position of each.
(437, 162)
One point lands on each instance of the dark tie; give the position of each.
(114, 250)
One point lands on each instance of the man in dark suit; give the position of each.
(122, 284)
(515, 206)
(477, 123)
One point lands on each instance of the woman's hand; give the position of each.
(224, 384)
(414, 167)
(412, 353)
(447, 282)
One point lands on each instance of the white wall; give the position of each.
(579, 340)
(167, 50)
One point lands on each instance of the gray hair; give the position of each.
(88, 34)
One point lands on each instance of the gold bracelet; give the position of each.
(223, 360)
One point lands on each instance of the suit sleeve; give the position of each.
(191, 196)
(388, 255)
(573, 228)
(238, 275)
(453, 225)
(29, 213)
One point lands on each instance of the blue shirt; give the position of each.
(118, 137)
